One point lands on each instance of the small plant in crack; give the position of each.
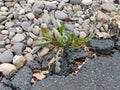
(60, 39)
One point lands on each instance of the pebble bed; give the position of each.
(22, 64)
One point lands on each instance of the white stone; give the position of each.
(61, 15)
(4, 9)
(83, 34)
(29, 56)
(86, 2)
(7, 68)
(44, 51)
(30, 42)
(30, 1)
(46, 18)
(18, 38)
(19, 61)
(5, 32)
(108, 7)
(36, 30)
(22, 11)
(30, 16)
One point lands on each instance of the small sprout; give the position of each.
(60, 39)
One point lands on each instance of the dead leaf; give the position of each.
(51, 62)
(39, 76)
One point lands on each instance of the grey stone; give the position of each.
(22, 79)
(2, 27)
(74, 54)
(108, 7)
(61, 5)
(60, 15)
(69, 27)
(46, 18)
(18, 48)
(2, 44)
(2, 18)
(75, 1)
(25, 25)
(18, 38)
(4, 87)
(6, 56)
(37, 8)
(101, 46)
(9, 24)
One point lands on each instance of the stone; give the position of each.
(46, 18)
(5, 32)
(86, 2)
(74, 54)
(75, 1)
(2, 44)
(37, 8)
(102, 16)
(36, 30)
(69, 26)
(82, 34)
(60, 15)
(108, 7)
(33, 64)
(2, 27)
(101, 46)
(30, 16)
(4, 9)
(19, 61)
(18, 38)
(6, 56)
(9, 24)
(29, 56)
(44, 51)
(2, 50)
(4, 87)
(25, 25)
(7, 68)
(30, 1)
(61, 5)
(22, 79)
(18, 48)
(30, 42)
(2, 18)
(32, 35)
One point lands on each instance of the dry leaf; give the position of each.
(51, 62)
(86, 48)
(39, 76)
(103, 34)
(33, 81)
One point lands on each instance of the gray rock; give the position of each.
(96, 74)
(4, 87)
(75, 54)
(37, 8)
(69, 27)
(18, 38)
(2, 27)
(33, 64)
(22, 79)
(6, 56)
(46, 18)
(108, 7)
(2, 18)
(75, 1)
(2, 44)
(18, 48)
(60, 15)
(61, 5)
(101, 46)
(25, 25)
(118, 44)
(86, 2)
(9, 24)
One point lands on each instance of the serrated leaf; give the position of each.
(46, 33)
(62, 30)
